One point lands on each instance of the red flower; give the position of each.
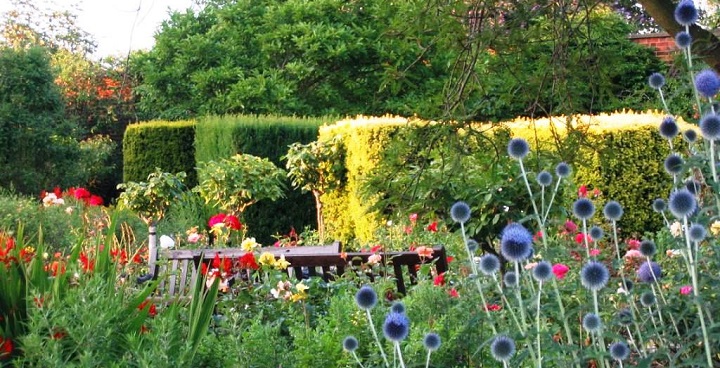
(55, 266)
(376, 248)
(6, 347)
(492, 307)
(580, 238)
(450, 259)
(232, 222)
(217, 219)
(152, 310)
(569, 227)
(204, 269)
(633, 244)
(433, 227)
(81, 193)
(439, 280)
(58, 192)
(453, 293)
(248, 261)
(87, 264)
(582, 191)
(216, 261)
(27, 253)
(58, 334)
(538, 236)
(137, 258)
(95, 200)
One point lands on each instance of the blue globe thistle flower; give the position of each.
(674, 164)
(592, 323)
(396, 326)
(594, 275)
(707, 83)
(518, 148)
(693, 186)
(659, 205)
(647, 299)
(366, 298)
(649, 272)
(596, 233)
(431, 341)
(562, 170)
(697, 232)
(397, 307)
(460, 212)
(613, 211)
(619, 350)
(542, 271)
(583, 208)
(489, 264)
(515, 242)
(710, 127)
(682, 203)
(683, 39)
(510, 279)
(656, 80)
(472, 245)
(690, 136)
(628, 285)
(669, 128)
(685, 13)
(502, 348)
(624, 317)
(544, 178)
(350, 343)
(647, 248)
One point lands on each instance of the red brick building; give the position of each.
(663, 43)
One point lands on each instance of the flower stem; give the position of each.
(377, 340)
(399, 353)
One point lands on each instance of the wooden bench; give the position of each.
(178, 269)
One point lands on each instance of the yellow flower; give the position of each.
(281, 263)
(267, 259)
(298, 297)
(715, 228)
(249, 244)
(301, 287)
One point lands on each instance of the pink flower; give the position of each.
(633, 253)
(570, 226)
(582, 191)
(413, 217)
(685, 290)
(580, 238)
(218, 219)
(560, 270)
(596, 192)
(595, 252)
(424, 252)
(453, 293)
(538, 236)
(633, 243)
(194, 238)
(374, 258)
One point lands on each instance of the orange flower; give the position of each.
(424, 252)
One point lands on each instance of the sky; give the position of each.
(119, 26)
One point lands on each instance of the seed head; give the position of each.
(591, 323)
(648, 248)
(516, 242)
(619, 350)
(683, 39)
(460, 212)
(510, 279)
(656, 80)
(669, 128)
(502, 348)
(685, 13)
(674, 164)
(583, 208)
(594, 275)
(649, 272)
(544, 178)
(518, 148)
(396, 326)
(707, 83)
(542, 271)
(596, 233)
(350, 343)
(690, 136)
(431, 341)
(647, 299)
(613, 211)
(366, 298)
(710, 127)
(562, 170)
(682, 203)
(697, 232)
(489, 264)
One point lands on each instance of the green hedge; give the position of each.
(263, 136)
(620, 154)
(163, 144)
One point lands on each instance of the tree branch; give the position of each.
(705, 44)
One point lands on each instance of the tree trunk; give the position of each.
(319, 215)
(705, 44)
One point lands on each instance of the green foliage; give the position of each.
(38, 149)
(236, 183)
(150, 199)
(263, 136)
(297, 58)
(159, 144)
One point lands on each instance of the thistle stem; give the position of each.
(377, 340)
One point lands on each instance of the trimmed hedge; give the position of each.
(262, 136)
(164, 144)
(621, 154)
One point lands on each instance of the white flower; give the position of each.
(166, 242)
(249, 244)
(374, 258)
(673, 252)
(69, 210)
(676, 229)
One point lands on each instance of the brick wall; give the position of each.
(663, 43)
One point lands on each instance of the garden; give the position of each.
(583, 240)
